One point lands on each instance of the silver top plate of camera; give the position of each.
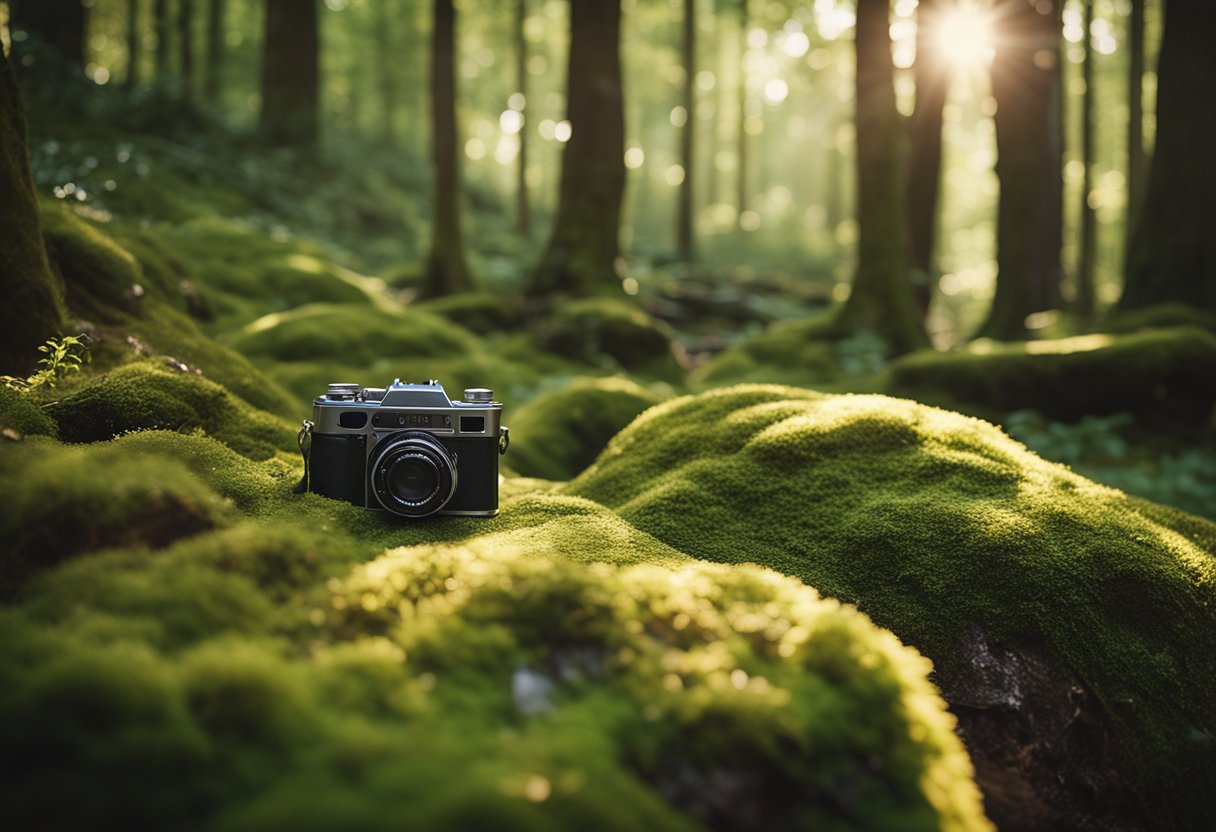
(352, 408)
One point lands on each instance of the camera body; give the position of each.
(406, 448)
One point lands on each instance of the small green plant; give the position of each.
(61, 357)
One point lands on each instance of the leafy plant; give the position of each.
(61, 357)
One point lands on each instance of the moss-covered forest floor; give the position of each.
(726, 554)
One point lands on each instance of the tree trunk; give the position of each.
(881, 299)
(446, 272)
(160, 15)
(386, 71)
(1085, 257)
(744, 15)
(1135, 123)
(185, 45)
(1030, 146)
(213, 83)
(523, 214)
(58, 24)
(1173, 250)
(291, 73)
(133, 44)
(584, 246)
(33, 308)
(684, 241)
(924, 173)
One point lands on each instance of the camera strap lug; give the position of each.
(504, 440)
(305, 442)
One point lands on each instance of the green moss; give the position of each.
(23, 414)
(788, 352)
(353, 335)
(1162, 374)
(102, 279)
(479, 312)
(595, 330)
(148, 395)
(561, 432)
(932, 522)
(1159, 316)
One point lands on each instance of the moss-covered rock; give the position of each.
(518, 682)
(1161, 374)
(561, 432)
(598, 329)
(23, 414)
(934, 523)
(788, 352)
(149, 395)
(353, 335)
(479, 312)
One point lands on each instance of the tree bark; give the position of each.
(291, 73)
(446, 272)
(1030, 146)
(160, 15)
(684, 239)
(33, 306)
(1136, 162)
(386, 71)
(58, 24)
(881, 298)
(523, 213)
(1173, 250)
(133, 44)
(584, 246)
(185, 45)
(924, 172)
(1088, 243)
(213, 83)
(744, 15)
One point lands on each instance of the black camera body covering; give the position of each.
(406, 448)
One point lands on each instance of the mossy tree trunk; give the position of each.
(291, 76)
(386, 69)
(58, 24)
(445, 272)
(584, 246)
(881, 298)
(160, 22)
(523, 211)
(1088, 242)
(134, 47)
(212, 81)
(924, 172)
(1135, 119)
(1030, 147)
(32, 310)
(684, 238)
(1172, 256)
(185, 45)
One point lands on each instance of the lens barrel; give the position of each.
(412, 474)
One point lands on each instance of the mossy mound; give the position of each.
(148, 395)
(1163, 374)
(353, 335)
(23, 414)
(594, 330)
(1160, 316)
(100, 276)
(933, 523)
(478, 312)
(560, 433)
(788, 352)
(495, 684)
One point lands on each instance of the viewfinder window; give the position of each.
(472, 424)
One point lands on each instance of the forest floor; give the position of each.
(177, 618)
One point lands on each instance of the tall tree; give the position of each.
(924, 173)
(684, 242)
(212, 82)
(185, 45)
(446, 272)
(1029, 167)
(741, 197)
(881, 298)
(523, 213)
(1088, 242)
(1173, 249)
(160, 20)
(58, 24)
(1135, 116)
(33, 309)
(133, 44)
(291, 76)
(584, 246)
(386, 69)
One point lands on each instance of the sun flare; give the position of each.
(965, 37)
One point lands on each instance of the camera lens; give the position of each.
(412, 474)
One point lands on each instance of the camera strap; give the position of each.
(305, 442)
(504, 440)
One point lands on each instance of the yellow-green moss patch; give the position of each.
(596, 330)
